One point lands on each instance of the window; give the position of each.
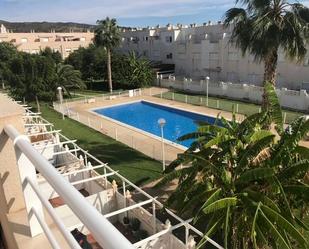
(145, 53)
(213, 56)
(169, 39)
(169, 56)
(24, 40)
(146, 38)
(232, 56)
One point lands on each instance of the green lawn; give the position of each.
(224, 104)
(132, 164)
(93, 92)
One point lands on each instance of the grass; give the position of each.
(224, 104)
(132, 164)
(93, 92)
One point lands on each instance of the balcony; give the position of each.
(63, 192)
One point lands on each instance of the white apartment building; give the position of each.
(200, 51)
(64, 43)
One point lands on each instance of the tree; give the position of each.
(132, 70)
(30, 76)
(56, 56)
(67, 77)
(107, 35)
(264, 27)
(244, 182)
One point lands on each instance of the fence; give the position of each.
(296, 100)
(138, 142)
(223, 104)
(105, 96)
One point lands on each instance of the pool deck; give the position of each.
(148, 144)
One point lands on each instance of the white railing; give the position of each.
(297, 100)
(108, 171)
(102, 230)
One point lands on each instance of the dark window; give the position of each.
(169, 56)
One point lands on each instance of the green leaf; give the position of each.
(255, 174)
(226, 226)
(253, 150)
(274, 232)
(253, 230)
(258, 135)
(301, 191)
(215, 196)
(284, 224)
(302, 151)
(261, 197)
(298, 169)
(220, 204)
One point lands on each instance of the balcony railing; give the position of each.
(29, 160)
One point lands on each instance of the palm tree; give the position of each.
(244, 182)
(264, 27)
(67, 77)
(107, 34)
(141, 72)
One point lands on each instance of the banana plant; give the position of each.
(244, 182)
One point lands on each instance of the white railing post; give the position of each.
(154, 219)
(105, 178)
(27, 170)
(186, 235)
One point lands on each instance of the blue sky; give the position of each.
(128, 12)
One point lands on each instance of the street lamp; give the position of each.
(61, 100)
(161, 123)
(207, 83)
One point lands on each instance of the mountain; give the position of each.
(25, 27)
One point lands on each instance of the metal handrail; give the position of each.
(49, 208)
(187, 223)
(102, 230)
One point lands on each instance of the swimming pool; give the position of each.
(144, 115)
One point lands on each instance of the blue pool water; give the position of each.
(144, 115)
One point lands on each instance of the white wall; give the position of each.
(192, 48)
(297, 100)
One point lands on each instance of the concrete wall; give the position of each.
(297, 100)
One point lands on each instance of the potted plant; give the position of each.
(126, 221)
(135, 224)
